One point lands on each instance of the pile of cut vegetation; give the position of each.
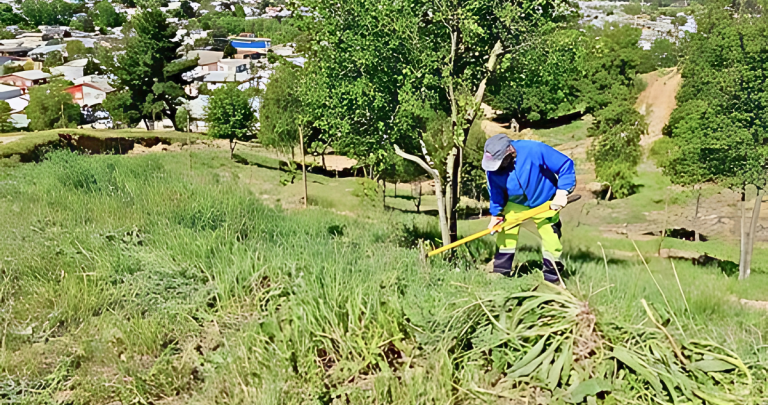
(156, 278)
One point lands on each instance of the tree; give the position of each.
(82, 23)
(121, 109)
(45, 12)
(719, 130)
(104, 15)
(5, 117)
(76, 50)
(633, 8)
(92, 67)
(149, 69)
(187, 9)
(229, 115)
(52, 107)
(53, 59)
(10, 17)
(182, 119)
(229, 51)
(391, 69)
(616, 149)
(663, 54)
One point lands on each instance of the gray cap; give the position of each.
(496, 148)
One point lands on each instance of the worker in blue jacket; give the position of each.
(523, 175)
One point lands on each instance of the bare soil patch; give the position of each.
(658, 101)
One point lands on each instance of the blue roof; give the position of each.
(250, 45)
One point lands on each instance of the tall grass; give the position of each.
(133, 279)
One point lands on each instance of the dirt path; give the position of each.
(8, 139)
(657, 101)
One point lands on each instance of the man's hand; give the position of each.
(495, 221)
(560, 200)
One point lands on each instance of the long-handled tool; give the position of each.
(511, 221)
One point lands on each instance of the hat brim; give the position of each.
(491, 165)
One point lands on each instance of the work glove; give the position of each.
(560, 200)
(494, 222)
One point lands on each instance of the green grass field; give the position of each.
(178, 278)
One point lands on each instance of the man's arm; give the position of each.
(562, 166)
(498, 196)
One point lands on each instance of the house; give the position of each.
(86, 94)
(42, 52)
(207, 60)
(233, 65)
(99, 81)
(18, 104)
(25, 79)
(70, 73)
(17, 51)
(248, 42)
(7, 92)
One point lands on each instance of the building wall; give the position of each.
(93, 96)
(16, 81)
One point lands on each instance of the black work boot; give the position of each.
(552, 270)
(502, 263)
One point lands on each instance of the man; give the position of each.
(523, 175)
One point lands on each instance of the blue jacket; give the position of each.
(539, 170)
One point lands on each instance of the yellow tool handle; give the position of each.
(514, 220)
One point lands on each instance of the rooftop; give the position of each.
(206, 57)
(30, 74)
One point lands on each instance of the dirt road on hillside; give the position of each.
(657, 101)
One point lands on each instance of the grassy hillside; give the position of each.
(161, 279)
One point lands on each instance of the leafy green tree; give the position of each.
(48, 12)
(5, 34)
(92, 67)
(239, 11)
(52, 107)
(679, 21)
(386, 67)
(616, 149)
(229, 115)
(719, 130)
(53, 59)
(10, 17)
(663, 54)
(633, 8)
(182, 119)
(9, 68)
(229, 51)
(121, 109)
(76, 50)
(104, 15)
(82, 23)
(281, 111)
(187, 9)
(149, 69)
(5, 117)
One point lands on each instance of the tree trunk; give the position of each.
(752, 230)
(232, 145)
(441, 209)
(303, 165)
(452, 191)
(395, 188)
(743, 230)
(696, 237)
(384, 192)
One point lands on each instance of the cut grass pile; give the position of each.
(140, 280)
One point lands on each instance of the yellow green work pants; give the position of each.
(548, 225)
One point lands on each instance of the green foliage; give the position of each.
(473, 179)
(76, 50)
(10, 17)
(616, 149)
(282, 112)
(149, 70)
(92, 67)
(51, 107)
(122, 109)
(82, 23)
(663, 54)
(182, 119)
(53, 59)
(5, 116)
(229, 51)
(229, 114)
(104, 15)
(5, 34)
(382, 70)
(48, 12)
(633, 8)
(719, 128)
(9, 68)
